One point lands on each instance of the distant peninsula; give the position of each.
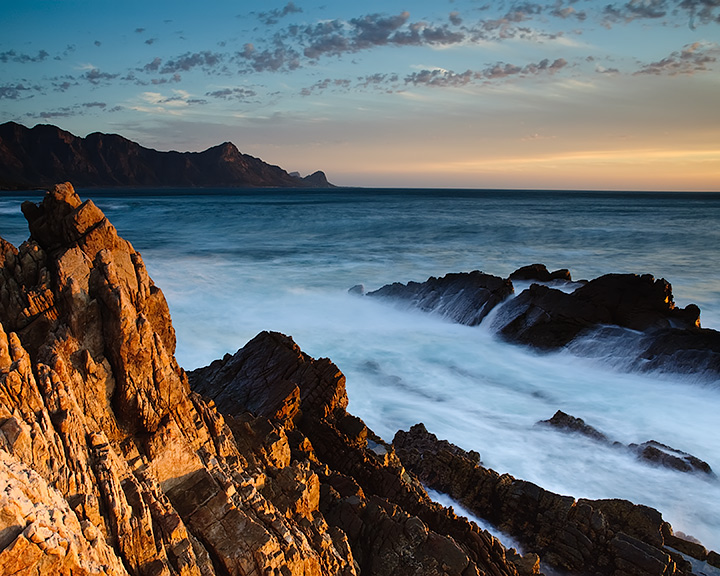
(36, 158)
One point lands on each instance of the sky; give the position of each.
(536, 94)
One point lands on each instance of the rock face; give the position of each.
(133, 472)
(578, 536)
(639, 311)
(41, 156)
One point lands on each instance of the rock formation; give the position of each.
(578, 536)
(39, 157)
(635, 312)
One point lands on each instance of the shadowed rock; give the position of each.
(579, 536)
(465, 298)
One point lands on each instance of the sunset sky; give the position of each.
(460, 93)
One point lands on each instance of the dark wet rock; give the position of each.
(603, 537)
(548, 318)
(669, 457)
(466, 298)
(563, 421)
(541, 273)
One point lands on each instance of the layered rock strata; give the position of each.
(635, 313)
(132, 472)
(391, 524)
(579, 536)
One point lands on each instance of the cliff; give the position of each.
(113, 461)
(41, 156)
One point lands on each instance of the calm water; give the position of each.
(234, 263)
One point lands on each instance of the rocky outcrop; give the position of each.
(632, 312)
(391, 525)
(136, 473)
(650, 451)
(579, 536)
(41, 156)
(466, 298)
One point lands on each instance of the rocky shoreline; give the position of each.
(115, 461)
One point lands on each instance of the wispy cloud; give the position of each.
(274, 16)
(21, 58)
(17, 91)
(695, 57)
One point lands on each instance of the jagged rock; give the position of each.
(465, 297)
(664, 455)
(391, 525)
(92, 399)
(583, 536)
(548, 318)
(564, 421)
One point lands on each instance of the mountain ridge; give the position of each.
(39, 157)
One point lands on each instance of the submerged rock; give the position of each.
(650, 451)
(564, 421)
(664, 455)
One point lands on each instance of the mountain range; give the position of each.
(39, 157)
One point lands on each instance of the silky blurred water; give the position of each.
(233, 263)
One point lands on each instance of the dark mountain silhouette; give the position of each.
(39, 157)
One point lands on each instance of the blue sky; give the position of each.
(462, 93)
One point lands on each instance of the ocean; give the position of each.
(235, 262)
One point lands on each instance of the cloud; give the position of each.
(150, 41)
(696, 57)
(567, 12)
(94, 105)
(447, 78)
(96, 77)
(273, 16)
(16, 91)
(97, 43)
(335, 37)
(271, 59)
(702, 11)
(153, 66)
(205, 60)
(139, 30)
(638, 9)
(455, 18)
(341, 84)
(241, 94)
(12, 56)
